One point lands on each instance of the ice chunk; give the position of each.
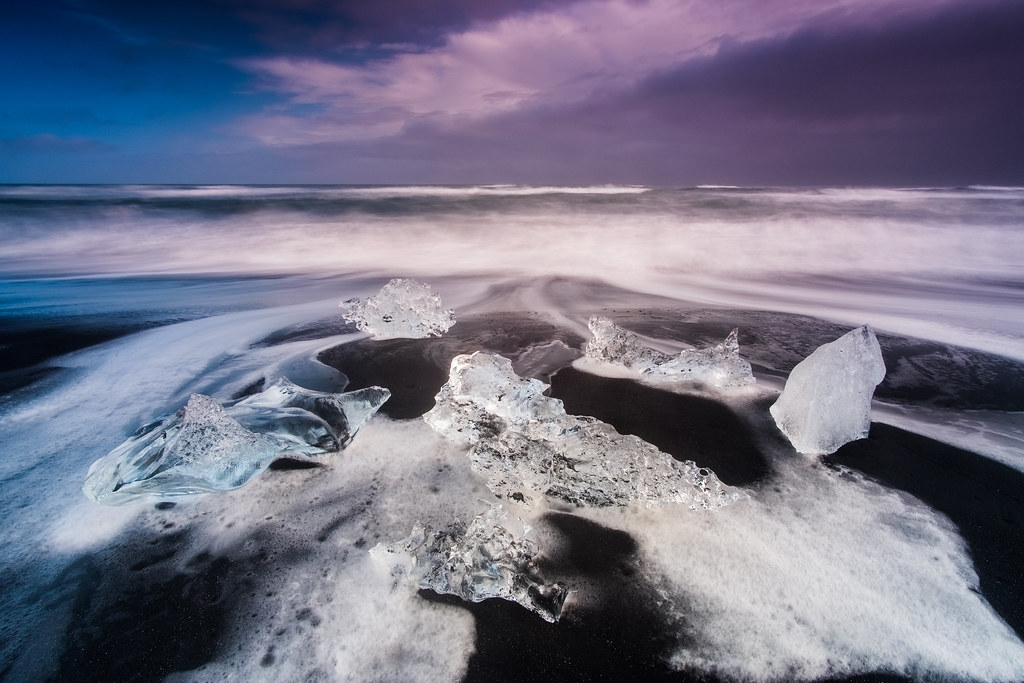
(827, 399)
(402, 308)
(719, 366)
(204, 447)
(305, 422)
(484, 396)
(198, 449)
(526, 445)
(614, 345)
(482, 560)
(592, 465)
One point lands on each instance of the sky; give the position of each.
(663, 92)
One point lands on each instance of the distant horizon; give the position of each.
(980, 187)
(790, 93)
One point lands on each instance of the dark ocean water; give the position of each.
(895, 557)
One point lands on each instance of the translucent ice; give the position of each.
(402, 308)
(482, 560)
(612, 344)
(304, 422)
(198, 449)
(526, 445)
(827, 399)
(719, 366)
(484, 396)
(204, 447)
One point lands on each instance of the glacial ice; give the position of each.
(527, 447)
(305, 422)
(403, 308)
(482, 560)
(827, 398)
(198, 449)
(616, 346)
(205, 447)
(719, 366)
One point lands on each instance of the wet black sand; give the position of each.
(26, 343)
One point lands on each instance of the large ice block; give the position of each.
(198, 449)
(205, 447)
(719, 366)
(482, 560)
(527, 447)
(827, 399)
(403, 308)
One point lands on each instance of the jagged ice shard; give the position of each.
(827, 398)
(616, 346)
(482, 560)
(527, 447)
(719, 366)
(403, 308)
(205, 447)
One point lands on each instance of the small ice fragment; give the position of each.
(401, 309)
(526, 445)
(827, 399)
(612, 344)
(306, 422)
(204, 447)
(719, 366)
(482, 560)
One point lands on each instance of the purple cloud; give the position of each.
(555, 57)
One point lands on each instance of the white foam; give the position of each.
(367, 628)
(823, 574)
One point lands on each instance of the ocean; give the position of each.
(898, 556)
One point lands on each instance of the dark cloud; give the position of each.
(295, 27)
(300, 26)
(932, 98)
(935, 101)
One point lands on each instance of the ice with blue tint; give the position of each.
(827, 398)
(205, 447)
(198, 449)
(403, 308)
(528, 448)
(481, 560)
(305, 422)
(719, 366)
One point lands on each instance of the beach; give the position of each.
(895, 558)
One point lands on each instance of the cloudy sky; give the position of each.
(669, 92)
